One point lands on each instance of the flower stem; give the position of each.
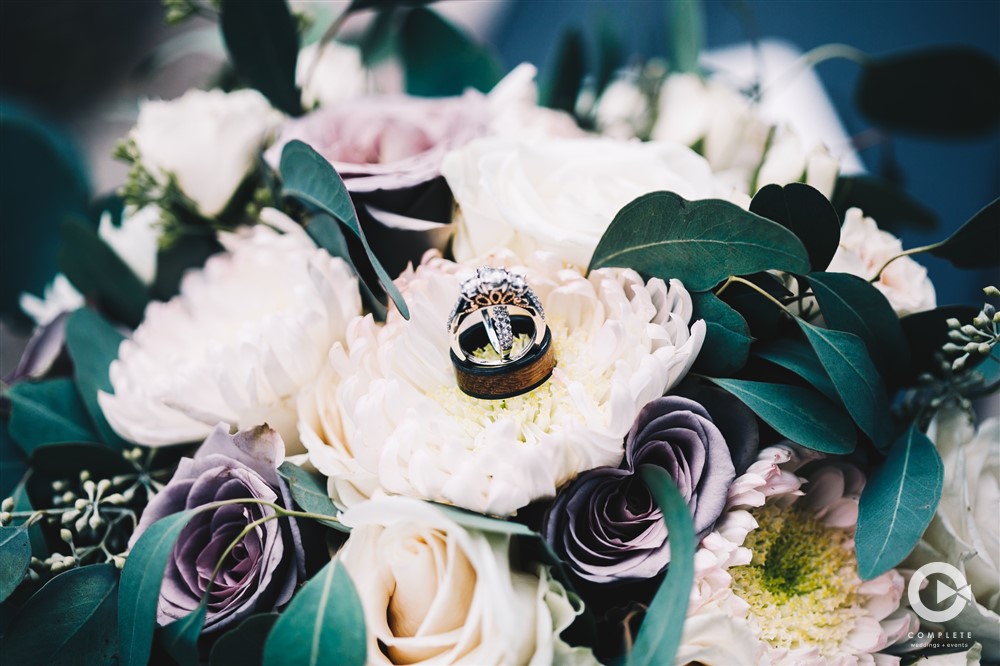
(813, 57)
(734, 278)
(904, 253)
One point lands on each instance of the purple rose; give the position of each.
(261, 572)
(607, 525)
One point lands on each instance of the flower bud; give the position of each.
(7, 504)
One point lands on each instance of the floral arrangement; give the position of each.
(713, 413)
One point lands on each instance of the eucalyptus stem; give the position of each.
(904, 253)
(327, 37)
(813, 57)
(762, 292)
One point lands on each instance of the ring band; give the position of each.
(497, 382)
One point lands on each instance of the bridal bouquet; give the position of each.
(383, 356)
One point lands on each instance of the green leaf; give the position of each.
(309, 492)
(727, 336)
(887, 203)
(358, 5)
(761, 314)
(799, 357)
(853, 374)
(568, 70)
(898, 503)
(310, 178)
(46, 412)
(12, 462)
(93, 344)
(949, 91)
(377, 43)
(22, 503)
(263, 43)
(180, 637)
(687, 32)
(186, 252)
(71, 620)
(15, 556)
(100, 274)
(140, 587)
(805, 212)
(440, 60)
(244, 645)
(926, 332)
(66, 460)
(610, 53)
(477, 521)
(700, 243)
(660, 633)
(976, 244)
(43, 184)
(798, 413)
(326, 233)
(853, 305)
(324, 624)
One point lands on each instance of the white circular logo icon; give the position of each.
(958, 591)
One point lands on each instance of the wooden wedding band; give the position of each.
(496, 382)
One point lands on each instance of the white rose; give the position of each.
(208, 140)
(331, 74)
(434, 592)
(715, 636)
(623, 111)
(965, 531)
(560, 195)
(864, 249)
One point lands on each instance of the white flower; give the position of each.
(623, 110)
(864, 249)
(330, 74)
(388, 416)
(59, 296)
(560, 195)
(136, 240)
(965, 531)
(714, 637)
(237, 344)
(434, 592)
(208, 140)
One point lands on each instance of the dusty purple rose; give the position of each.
(606, 524)
(261, 572)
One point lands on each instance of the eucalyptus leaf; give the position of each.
(477, 521)
(323, 624)
(853, 374)
(12, 462)
(805, 212)
(173, 262)
(949, 91)
(46, 412)
(610, 53)
(800, 414)
(15, 556)
(660, 633)
(71, 620)
(569, 67)
(326, 233)
(310, 178)
(890, 205)
(244, 645)
(358, 5)
(700, 242)
(309, 492)
(140, 587)
(22, 504)
(853, 305)
(180, 637)
(761, 314)
(976, 244)
(263, 44)
(927, 332)
(440, 60)
(687, 33)
(93, 344)
(799, 357)
(727, 336)
(898, 503)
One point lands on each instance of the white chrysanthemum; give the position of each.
(239, 341)
(782, 562)
(387, 416)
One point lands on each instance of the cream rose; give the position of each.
(330, 74)
(208, 140)
(435, 592)
(560, 195)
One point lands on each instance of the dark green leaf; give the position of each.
(477, 521)
(951, 91)
(700, 243)
(440, 60)
(976, 244)
(799, 357)
(324, 624)
(100, 274)
(309, 492)
(891, 206)
(358, 5)
(71, 620)
(727, 336)
(853, 374)
(12, 462)
(93, 344)
(761, 314)
(263, 43)
(15, 555)
(377, 41)
(568, 70)
(311, 179)
(610, 53)
(660, 633)
(43, 184)
(898, 503)
(140, 588)
(244, 645)
(22, 504)
(186, 252)
(62, 461)
(326, 233)
(853, 305)
(687, 32)
(926, 332)
(805, 212)
(180, 637)
(46, 412)
(798, 413)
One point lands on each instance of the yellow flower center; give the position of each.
(801, 585)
